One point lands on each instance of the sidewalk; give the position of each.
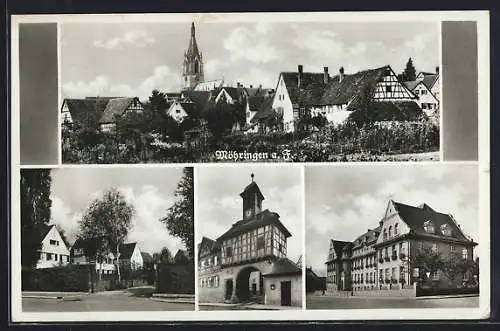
(448, 296)
(173, 298)
(247, 306)
(54, 295)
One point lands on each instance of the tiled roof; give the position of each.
(415, 217)
(371, 235)
(338, 245)
(89, 245)
(283, 266)
(411, 84)
(311, 87)
(343, 91)
(86, 111)
(250, 188)
(115, 108)
(43, 230)
(430, 80)
(261, 219)
(126, 250)
(389, 111)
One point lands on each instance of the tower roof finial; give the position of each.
(252, 175)
(192, 29)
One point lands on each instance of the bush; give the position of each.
(446, 291)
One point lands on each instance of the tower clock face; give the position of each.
(248, 212)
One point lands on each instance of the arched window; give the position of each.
(385, 234)
(196, 67)
(396, 229)
(390, 231)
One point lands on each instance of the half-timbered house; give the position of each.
(338, 97)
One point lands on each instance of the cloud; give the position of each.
(420, 41)
(251, 45)
(162, 78)
(62, 216)
(130, 39)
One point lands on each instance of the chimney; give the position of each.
(299, 77)
(437, 70)
(326, 77)
(341, 74)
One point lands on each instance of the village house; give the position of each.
(190, 105)
(339, 97)
(131, 257)
(249, 261)
(98, 112)
(53, 251)
(426, 87)
(90, 251)
(382, 258)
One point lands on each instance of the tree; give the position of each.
(454, 265)
(158, 101)
(164, 257)
(179, 219)
(427, 260)
(319, 121)
(108, 218)
(409, 73)
(222, 117)
(35, 211)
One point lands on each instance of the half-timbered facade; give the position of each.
(249, 262)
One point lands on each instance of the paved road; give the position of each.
(104, 301)
(331, 302)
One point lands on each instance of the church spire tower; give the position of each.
(192, 67)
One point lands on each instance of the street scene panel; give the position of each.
(392, 237)
(249, 238)
(259, 91)
(122, 241)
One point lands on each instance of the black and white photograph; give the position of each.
(255, 90)
(95, 239)
(392, 236)
(249, 238)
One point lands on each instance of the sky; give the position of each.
(132, 59)
(150, 190)
(218, 203)
(343, 202)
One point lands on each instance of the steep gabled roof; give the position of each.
(283, 266)
(90, 246)
(412, 84)
(338, 245)
(43, 230)
(311, 87)
(126, 250)
(343, 91)
(430, 80)
(86, 111)
(415, 217)
(115, 108)
(146, 257)
(211, 245)
(261, 219)
(234, 92)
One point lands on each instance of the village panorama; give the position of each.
(374, 114)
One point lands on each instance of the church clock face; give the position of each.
(248, 212)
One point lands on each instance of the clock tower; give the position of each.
(252, 200)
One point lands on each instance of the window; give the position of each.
(388, 88)
(446, 230)
(429, 227)
(229, 251)
(54, 242)
(416, 92)
(452, 248)
(55, 257)
(260, 242)
(424, 106)
(434, 248)
(215, 260)
(396, 229)
(424, 92)
(49, 256)
(390, 231)
(465, 254)
(435, 275)
(385, 234)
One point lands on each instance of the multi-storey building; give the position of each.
(249, 261)
(387, 255)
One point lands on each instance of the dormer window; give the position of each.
(446, 230)
(429, 227)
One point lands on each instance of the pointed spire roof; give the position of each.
(251, 188)
(193, 46)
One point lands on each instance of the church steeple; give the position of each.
(192, 68)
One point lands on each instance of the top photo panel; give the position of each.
(202, 90)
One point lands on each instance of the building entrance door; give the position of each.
(286, 293)
(229, 289)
